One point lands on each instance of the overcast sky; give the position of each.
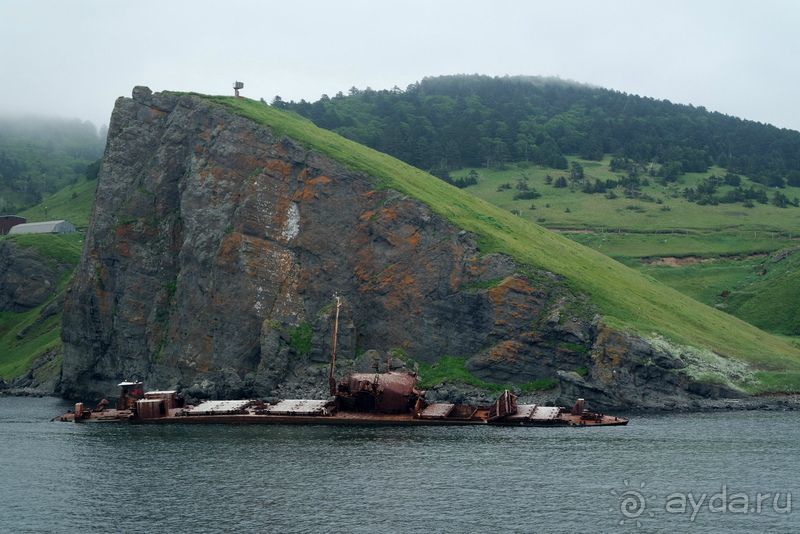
(73, 58)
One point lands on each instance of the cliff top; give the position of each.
(628, 299)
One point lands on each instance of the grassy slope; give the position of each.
(595, 211)
(770, 300)
(453, 369)
(705, 281)
(73, 203)
(628, 298)
(708, 244)
(17, 354)
(762, 292)
(620, 232)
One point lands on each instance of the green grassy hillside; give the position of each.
(660, 222)
(73, 203)
(760, 290)
(26, 336)
(770, 296)
(628, 299)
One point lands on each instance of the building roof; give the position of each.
(36, 227)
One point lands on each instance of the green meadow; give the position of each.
(668, 212)
(73, 203)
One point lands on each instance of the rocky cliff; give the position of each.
(216, 246)
(27, 278)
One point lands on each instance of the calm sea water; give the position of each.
(62, 477)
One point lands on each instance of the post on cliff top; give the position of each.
(236, 87)
(331, 377)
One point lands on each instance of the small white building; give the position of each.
(47, 227)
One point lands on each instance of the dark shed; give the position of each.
(9, 221)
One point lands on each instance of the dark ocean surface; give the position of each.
(66, 477)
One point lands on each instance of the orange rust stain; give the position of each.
(407, 280)
(229, 249)
(124, 231)
(102, 296)
(281, 211)
(123, 234)
(320, 180)
(153, 114)
(506, 351)
(305, 194)
(308, 192)
(520, 285)
(223, 174)
(473, 267)
(389, 213)
(367, 215)
(254, 250)
(362, 274)
(516, 284)
(281, 168)
(413, 239)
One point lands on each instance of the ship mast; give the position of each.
(331, 377)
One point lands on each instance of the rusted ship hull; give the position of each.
(251, 416)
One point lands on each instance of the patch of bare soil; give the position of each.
(674, 261)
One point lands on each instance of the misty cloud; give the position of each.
(72, 59)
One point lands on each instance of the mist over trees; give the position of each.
(450, 122)
(39, 156)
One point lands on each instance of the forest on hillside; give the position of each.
(450, 122)
(39, 156)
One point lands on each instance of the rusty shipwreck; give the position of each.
(380, 398)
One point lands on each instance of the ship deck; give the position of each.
(249, 416)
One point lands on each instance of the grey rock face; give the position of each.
(41, 378)
(26, 278)
(215, 249)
